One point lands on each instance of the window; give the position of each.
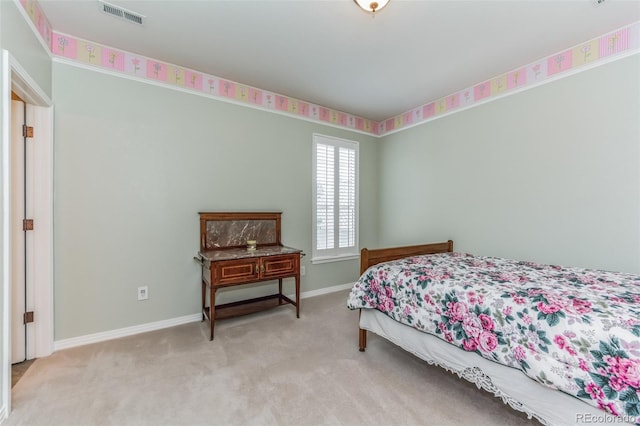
(335, 199)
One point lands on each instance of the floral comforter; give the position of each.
(571, 329)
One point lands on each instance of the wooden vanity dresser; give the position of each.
(226, 261)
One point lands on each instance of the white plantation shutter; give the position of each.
(335, 197)
(347, 197)
(325, 212)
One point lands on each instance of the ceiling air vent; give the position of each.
(121, 13)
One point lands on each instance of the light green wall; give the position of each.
(134, 163)
(551, 174)
(17, 37)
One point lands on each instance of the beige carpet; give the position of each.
(263, 369)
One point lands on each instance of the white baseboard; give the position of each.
(123, 332)
(158, 325)
(3, 414)
(326, 290)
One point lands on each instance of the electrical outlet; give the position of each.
(143, 292)
(303, 271)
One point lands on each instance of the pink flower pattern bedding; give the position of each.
(572, 329)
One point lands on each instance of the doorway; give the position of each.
(37, 110)
(22, 203)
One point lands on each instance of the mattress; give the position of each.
(548, 406)
(570, 329)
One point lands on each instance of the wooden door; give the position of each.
(22, 172)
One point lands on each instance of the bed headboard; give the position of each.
(373, 257)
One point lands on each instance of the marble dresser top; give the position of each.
(243, 253)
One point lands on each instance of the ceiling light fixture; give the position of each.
(371, 6)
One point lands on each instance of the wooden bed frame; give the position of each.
(516, 390)
(373, 257)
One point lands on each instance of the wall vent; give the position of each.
(121, 13)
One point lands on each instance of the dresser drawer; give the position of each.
(278, 266)
(236, 271)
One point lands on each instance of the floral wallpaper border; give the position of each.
(38, 19)
(120, 61)
(621, 42)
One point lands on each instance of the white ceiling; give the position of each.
(331, 53)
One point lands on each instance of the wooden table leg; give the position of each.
(204, 296)
(212, 310)
(298, 295)
(280, 290)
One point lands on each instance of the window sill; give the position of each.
(329, 259)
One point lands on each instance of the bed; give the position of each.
(560, 344)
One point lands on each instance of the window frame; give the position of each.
(335, 254)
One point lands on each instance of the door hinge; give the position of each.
(27, 225)
(28, 317)
(27, 131)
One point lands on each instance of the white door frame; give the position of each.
(14, 77)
